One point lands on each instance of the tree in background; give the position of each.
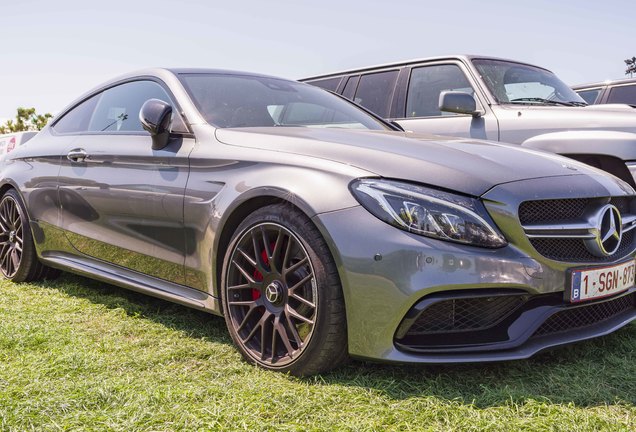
(25, 120)
(631, 66)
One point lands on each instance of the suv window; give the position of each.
(589, 96)
(375, 92)
(426, 84)
(77, 119)
(623, 94)
(350, 89)
(330, 84)
(118, 108)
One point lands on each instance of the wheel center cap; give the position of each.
(12, 236)
(274, 292)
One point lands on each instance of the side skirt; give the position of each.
(125, 278)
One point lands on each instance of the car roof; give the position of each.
(463, 57)
(605, 83)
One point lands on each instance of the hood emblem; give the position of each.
(608, 232)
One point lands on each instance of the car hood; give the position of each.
(468, 166)
(616, 117)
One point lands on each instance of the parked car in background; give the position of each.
(10, 141)
(318, 230)
(495, 99)
(609, 92)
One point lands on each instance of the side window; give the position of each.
(623, 94)
(375, 92)
(350, 87)
(77, 119)
(426, 84)
(328, 83)
(589, 96)
(118, 108)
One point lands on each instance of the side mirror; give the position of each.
(155, 116)
(458, 102)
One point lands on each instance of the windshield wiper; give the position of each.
(546, 101)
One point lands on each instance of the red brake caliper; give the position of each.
(256, 294)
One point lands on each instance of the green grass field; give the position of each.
(80, 355)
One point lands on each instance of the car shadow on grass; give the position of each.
(590, 373)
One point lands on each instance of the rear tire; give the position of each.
(18, 257)
(282, 297)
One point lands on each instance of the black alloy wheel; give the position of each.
(18, 258)
(282, 296)
(11, 236)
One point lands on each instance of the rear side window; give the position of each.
(330, 84)
(118, 108)
(623, 94)
(77, 119)
(375, 92)
(427, 83)
(589, 96)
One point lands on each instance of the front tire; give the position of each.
(18, 258)
(282, 297)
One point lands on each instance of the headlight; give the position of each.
(428, 212)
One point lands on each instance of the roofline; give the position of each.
(604, 83)
(462, 57)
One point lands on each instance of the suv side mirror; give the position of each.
(458, 102)
(155, 116)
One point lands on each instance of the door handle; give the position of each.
(77, 155)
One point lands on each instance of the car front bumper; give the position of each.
(390, 277)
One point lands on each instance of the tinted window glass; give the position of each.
(375, 92)
(327, 84)
(77, 119)
(350, 88)
(589, 96)
(118, 108)
(233, 101)
(623, 94)
(427, 83)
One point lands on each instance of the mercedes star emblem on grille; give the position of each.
(608, 232)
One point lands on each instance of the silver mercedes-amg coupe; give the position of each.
(318, 230)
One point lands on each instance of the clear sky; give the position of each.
(52, 51)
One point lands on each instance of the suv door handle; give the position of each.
(77, 155)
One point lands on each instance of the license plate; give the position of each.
(600, 282)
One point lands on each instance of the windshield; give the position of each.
(232, 101)
(514, 83)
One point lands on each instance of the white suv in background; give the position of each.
(495, 99)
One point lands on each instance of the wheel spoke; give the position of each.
(300, 283)
(296, 266)
(15, 258)
(303, 300)
(274, 259)
(245, 274)
(293, 331)
(280, 328)
(298, 316)
(246, 318)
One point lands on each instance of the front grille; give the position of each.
(531, 212)
(544, 211)
(574, 250)
(561, 212)
(583, 316)
(465, 314)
